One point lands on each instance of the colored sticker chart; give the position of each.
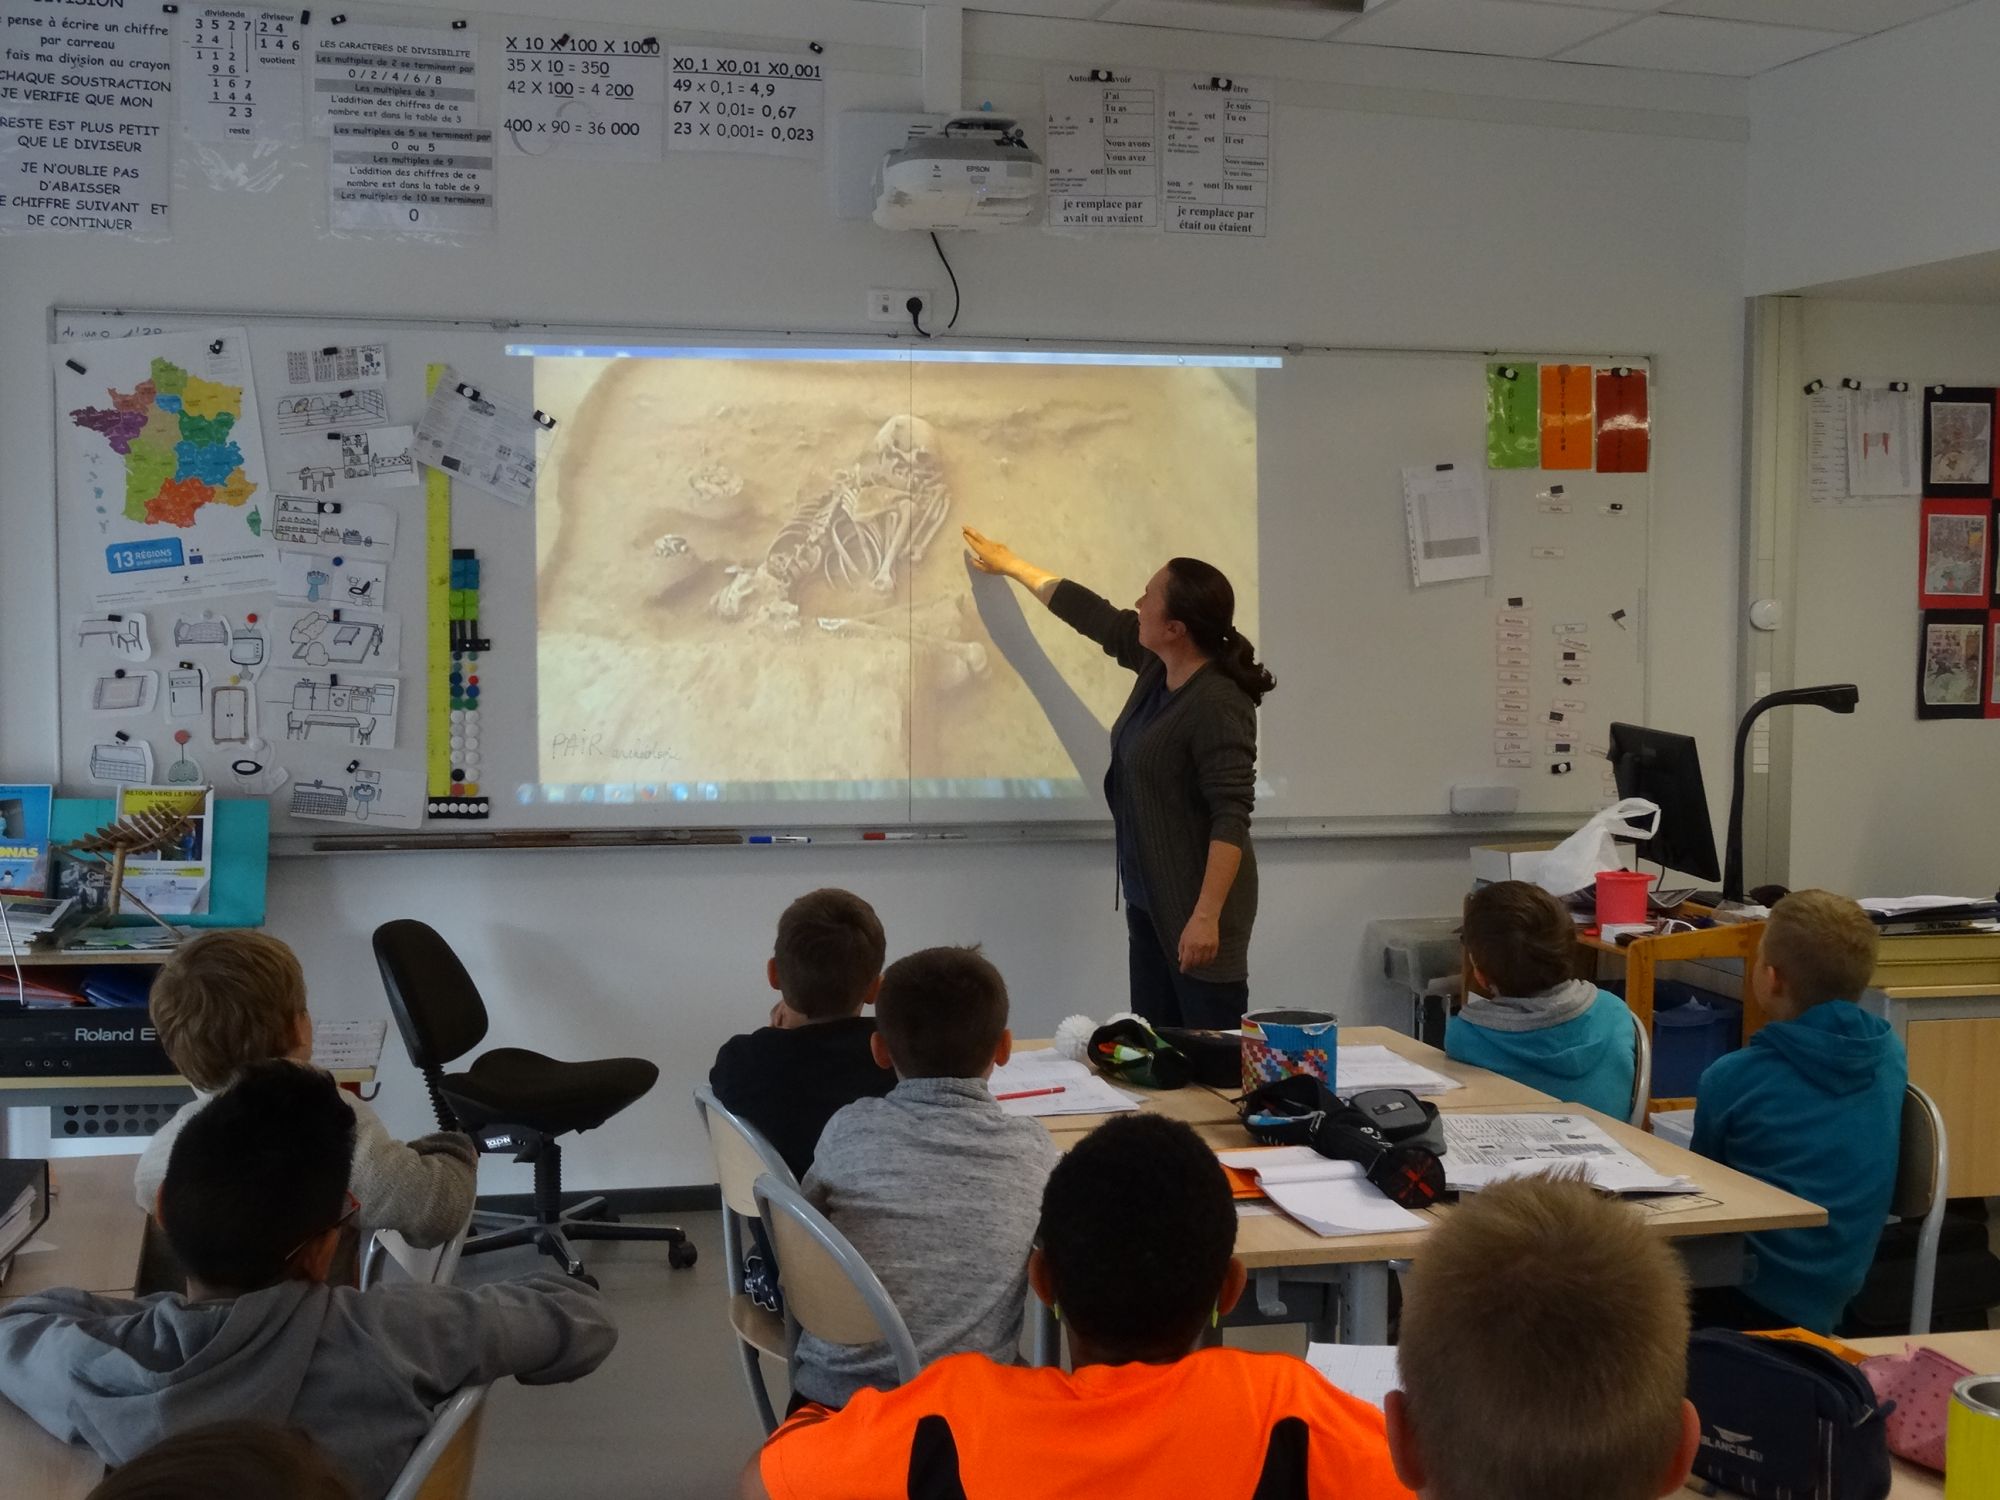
(1513, 417)
(1624, 421)
(1566, 420)
(464, 799)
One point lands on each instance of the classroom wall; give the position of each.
(1877, 155)
(1884, 803)
(1424, 200)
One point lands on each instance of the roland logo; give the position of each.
(1735, 1444)
(115, 1034)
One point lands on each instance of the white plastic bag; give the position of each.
(1573, 864)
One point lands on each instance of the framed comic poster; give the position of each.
(1958, 441)
(1955, 554)
(1952, 677)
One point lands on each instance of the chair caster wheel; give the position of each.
(681, 1256)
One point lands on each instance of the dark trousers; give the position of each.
(1167, 997)
(1732, 1307)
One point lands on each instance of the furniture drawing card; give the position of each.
(362, 795)
(356, 528)
(333, 709)
(323, 638)
(338, 582)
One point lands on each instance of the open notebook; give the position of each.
(1050, 1084)
(1328, 1197)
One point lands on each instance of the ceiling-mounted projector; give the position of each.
(976, 172)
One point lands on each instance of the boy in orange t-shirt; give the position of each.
(1135, 1255)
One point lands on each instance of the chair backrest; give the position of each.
(829, 1290)
(435, 1266)
(441, 1468)
(1642, 1071)
(741, 1154)
(1920, 1158)
(435, 1003)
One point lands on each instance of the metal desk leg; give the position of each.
(1365, 1318)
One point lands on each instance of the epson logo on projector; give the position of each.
(112, 1034)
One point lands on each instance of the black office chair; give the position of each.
(510, 1101)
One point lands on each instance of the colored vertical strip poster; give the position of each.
(437, 619)
(1624, 421)
(1513, 418)
(1566, 416)
(1952, 677)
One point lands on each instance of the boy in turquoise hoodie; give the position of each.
(1540, 1027)
(1814, 1105)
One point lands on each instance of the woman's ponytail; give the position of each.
(1199, 596)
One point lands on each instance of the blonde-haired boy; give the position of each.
(225, 1000)
(1543, 1353)
(1814, 1105)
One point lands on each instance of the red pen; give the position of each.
(1032, 1093)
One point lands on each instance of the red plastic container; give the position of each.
(1621, 897)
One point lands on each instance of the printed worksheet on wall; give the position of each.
(1103, 148)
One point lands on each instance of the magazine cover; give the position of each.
(24, 839)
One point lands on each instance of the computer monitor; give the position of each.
(1664, 768)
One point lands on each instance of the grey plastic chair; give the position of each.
(441, 1468)
(829, 1290)
(742, 1155)
(1923, 1169)
(435, 1266)
(1642, 1072)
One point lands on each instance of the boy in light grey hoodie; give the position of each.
(253, 1204)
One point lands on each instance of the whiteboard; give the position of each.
(1388, 695)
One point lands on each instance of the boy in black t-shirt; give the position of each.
(790, 1077)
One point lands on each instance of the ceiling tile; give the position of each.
(1500, 28)
(1299, 19)
(1827, 15)
(1691, 44)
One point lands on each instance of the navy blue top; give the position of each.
(1143, 713)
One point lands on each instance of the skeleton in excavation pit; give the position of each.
(856, 532)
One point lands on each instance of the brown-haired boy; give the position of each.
(1531, 1020)
(813, 1059)
(1812, 1104)
(225, 1000)
(935, 1185)
(1543, 1353)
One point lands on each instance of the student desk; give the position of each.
(1293, 1268)
(94, 1233)
(1979, 1351)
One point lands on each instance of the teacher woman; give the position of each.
(1182, 780)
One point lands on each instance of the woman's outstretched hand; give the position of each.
(988, 555)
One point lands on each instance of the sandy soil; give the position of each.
(1099, 472)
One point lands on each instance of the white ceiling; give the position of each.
(1736, 37)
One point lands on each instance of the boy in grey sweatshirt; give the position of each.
(253, 1204)
(224, 1000)
(936, 1187)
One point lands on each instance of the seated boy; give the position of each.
(253, 1204)
(1530, 1019)
(1812, 1104)
(1543, 1353)
(935, 1185)
(1137, 1227)
(225, 1000)
(790, 1077)
(242, 1459)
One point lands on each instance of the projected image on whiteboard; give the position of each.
(751, 582)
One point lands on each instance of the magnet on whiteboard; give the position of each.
(1767, 614)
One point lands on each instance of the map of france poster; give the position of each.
(163, 465)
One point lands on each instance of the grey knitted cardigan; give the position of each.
(1194, 780)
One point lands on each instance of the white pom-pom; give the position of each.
(1073, 1038)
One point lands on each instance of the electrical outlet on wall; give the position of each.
(891, 304)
